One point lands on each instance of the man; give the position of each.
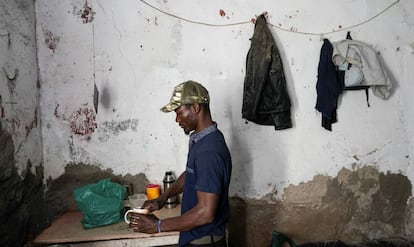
(205, 182)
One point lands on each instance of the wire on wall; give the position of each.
(191, 21)
(275, 26)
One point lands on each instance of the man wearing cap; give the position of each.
(204, 183)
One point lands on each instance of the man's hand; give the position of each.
(143, 223)
(153, 205)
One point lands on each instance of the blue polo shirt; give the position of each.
(208, 170)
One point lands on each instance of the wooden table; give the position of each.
(67, 230)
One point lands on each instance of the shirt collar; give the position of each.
(195, 137)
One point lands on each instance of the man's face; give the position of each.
(186, 118)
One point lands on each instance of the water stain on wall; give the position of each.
(60, 193)
(22, 206)
(32, 124)
(105, 98)
(355, 205)
(114, 128)
(2, 112)
(77, 153)
(83, 121)
(86, 14)
(51, 40)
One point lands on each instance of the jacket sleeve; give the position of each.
(328, 87)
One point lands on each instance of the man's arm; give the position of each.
(175, 189)
(203, 213)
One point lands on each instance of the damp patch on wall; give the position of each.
(86, 13)
(33, 124)
(51, 40)
(21, 194)
(77, 153)
(357, 204)
(114, 128)
(83, 121)
(2, 112)
(60, 197)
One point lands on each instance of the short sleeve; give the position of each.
(209, 167)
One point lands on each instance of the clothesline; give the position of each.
(275, 26)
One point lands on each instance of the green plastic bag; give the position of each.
(278, 239)
(101, 203)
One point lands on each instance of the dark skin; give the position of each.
(191, 118)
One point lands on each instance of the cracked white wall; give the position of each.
(19, 93)
(135, 55)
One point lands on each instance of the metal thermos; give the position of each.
(169, 179)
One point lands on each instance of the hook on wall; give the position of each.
(265, 14)
(11, 76)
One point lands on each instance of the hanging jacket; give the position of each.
(265, 97)
(365, 59)
(328, 86)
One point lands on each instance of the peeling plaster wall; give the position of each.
(107, 67)
(22, 207)
(19, 86)
(134, 55)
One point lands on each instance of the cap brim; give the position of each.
(170, 107)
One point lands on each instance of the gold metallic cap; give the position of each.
(188, 92)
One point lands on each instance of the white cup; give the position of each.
(135, 210)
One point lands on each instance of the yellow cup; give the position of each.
(153, 191)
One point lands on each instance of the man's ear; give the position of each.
(196, 107)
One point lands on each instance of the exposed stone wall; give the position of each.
(355, 205)
(22, 207)
(60, 196)
(27, 207)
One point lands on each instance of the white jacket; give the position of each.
(366, 61)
